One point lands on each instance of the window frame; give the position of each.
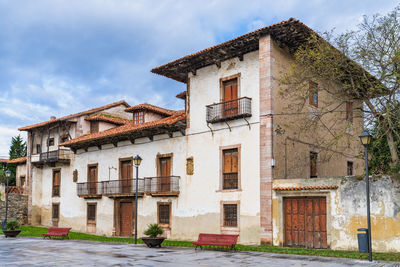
(163, 203)
(223, 80)
(94, 126)
(229, 229)
(313, 90)
(52, 186)
(138, 117)
(55, 219)
(350, 163)
(88, 220)
(221, 179)
(314, 155)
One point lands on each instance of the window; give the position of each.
(64, 138)
(94, 127)
(56, 183)
(230, 215)
(92, 179)
(164, 213)
(350, 168)
(164, 173)
(38, 149)
(313, 91)
(55, 211)
(313, 164)
(22, 181)
(91, 213)
(349, 112)
(230, 169)
(51, 141)
(138, 117)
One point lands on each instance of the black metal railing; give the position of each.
(123, 186)
(162, 184)
(55, 155)
(229, 110)
(90, 188)
(230, 180)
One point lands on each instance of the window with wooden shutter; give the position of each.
(230, 168)
(94, 127)
(126, 173)
(91, 213)
(349, 112)
(92, 179)
(313, 164)
(164, 213)
(350, 168)
(138, 117)
(313, 94)
(55, 211)
(230, 91)
(56, 183)
(51, 141)
(230, 215)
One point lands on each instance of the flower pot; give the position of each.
(152, 242)
(11, 233)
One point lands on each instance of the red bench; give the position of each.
(216, 240)
(56, 231)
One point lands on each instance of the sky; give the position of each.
(61, 57)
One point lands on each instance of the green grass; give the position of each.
(37, 232)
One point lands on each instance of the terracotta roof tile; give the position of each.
(307, 187)
(3, 160)
(105, 117)
(90, 111)
(125, 129)
(152, 108)
(17, 160)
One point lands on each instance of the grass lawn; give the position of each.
(37, 232)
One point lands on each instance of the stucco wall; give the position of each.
(346, 210)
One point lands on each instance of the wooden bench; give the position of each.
(216, 240)
(57, 231)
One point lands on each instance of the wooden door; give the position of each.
(305, 222)
(165, 174)
(230, 94)
(126, 218)
(56, 183)
(92, 180)
(126, 176)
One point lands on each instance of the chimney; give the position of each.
(53, 117)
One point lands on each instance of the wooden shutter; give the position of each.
(165, 173)
(92, 179)
(230, 93)
(230, 168)
(56, 182)
(126, 176)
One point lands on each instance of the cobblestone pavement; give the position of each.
(40, 252)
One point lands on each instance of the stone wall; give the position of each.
(17, 208)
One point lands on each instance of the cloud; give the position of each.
(58, 57)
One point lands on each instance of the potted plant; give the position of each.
(153, 240)
(12, 229)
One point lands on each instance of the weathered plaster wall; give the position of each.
(346, 210)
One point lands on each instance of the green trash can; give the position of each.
(362, 240)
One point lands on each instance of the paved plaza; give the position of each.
(40, 252)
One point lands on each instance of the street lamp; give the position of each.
(137, 160)
(8, 175)
(366, 139)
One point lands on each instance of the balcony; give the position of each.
(59, 155)
(229, 110)
(155, 186)
(121, 188)
(162, 186)
(90, 189)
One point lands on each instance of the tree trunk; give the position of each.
(393, 148)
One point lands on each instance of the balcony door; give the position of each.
(230, 90)
(165, 174)
(126, 176)
(92, 179)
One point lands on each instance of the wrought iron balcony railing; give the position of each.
(162, 185)
(52, 156)
(122, 187)
(229, 110)
(90, 189)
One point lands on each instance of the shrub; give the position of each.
(153, 230)
(12, 225)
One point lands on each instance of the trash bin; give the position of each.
(363, 240)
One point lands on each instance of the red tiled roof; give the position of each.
(3, 160)
(107, 118)
(308, 187)
(91, 111)
(151, 108)
(182, 95)
(126, 129)
(17, 160)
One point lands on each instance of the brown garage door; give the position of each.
(305, 222)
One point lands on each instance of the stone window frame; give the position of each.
(221, 167)
(229, 229)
